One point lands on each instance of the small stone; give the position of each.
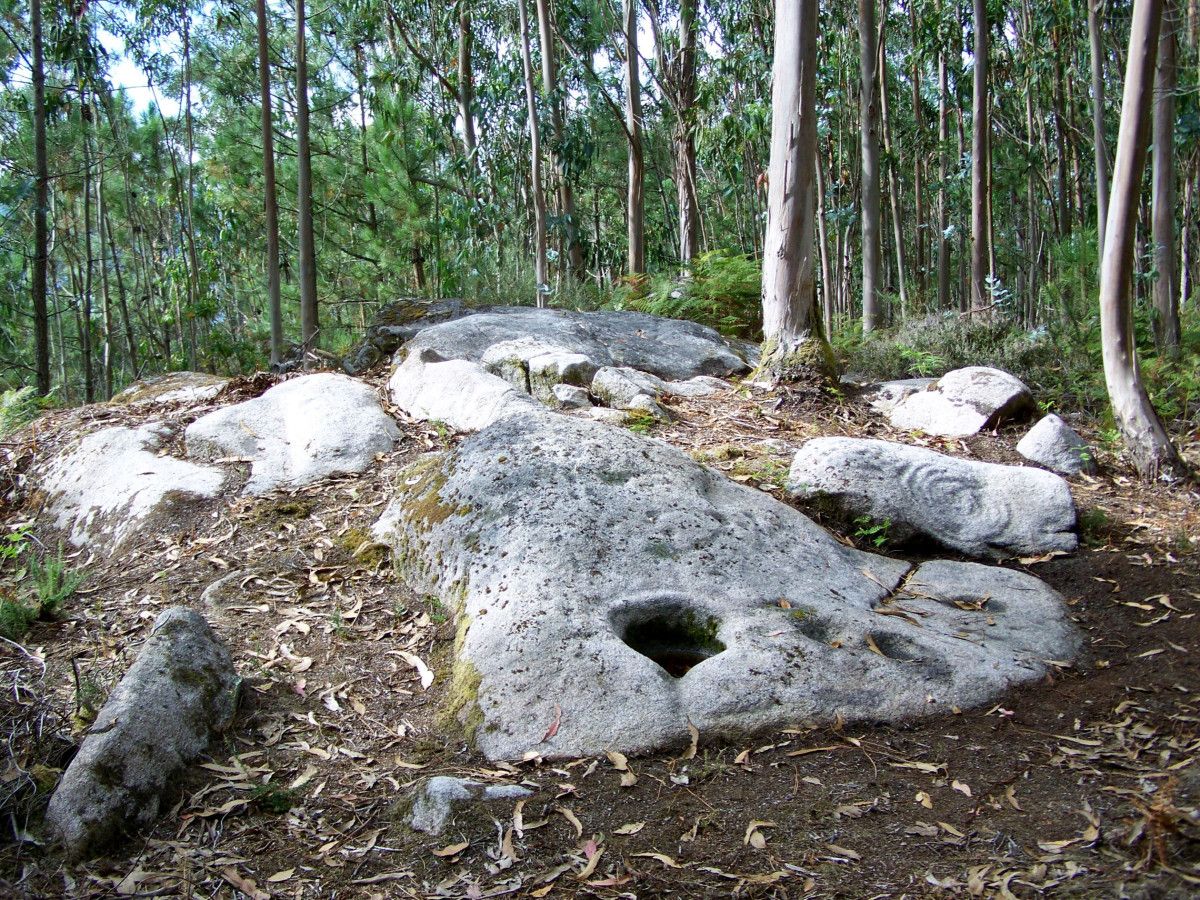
(437, 797)
(700, 386)
(887, 395)
(1054, 444)
(173, 387)
(980, 509)
(180, 692)
(568, 396)
(617, 387)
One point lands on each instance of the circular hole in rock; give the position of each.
(677, 640)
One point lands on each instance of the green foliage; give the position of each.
(639, 421)
(15, 619)
(273, 799)
(14, 543)
(872, 532)
(18, 408)
(53, 582)
(722, 290)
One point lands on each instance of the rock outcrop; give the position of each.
(118, 483)
(669, 348)
(398, 322)
(180, 691)
(980, 509)
(964, 402)
(298, 432)
(609, 591)
(173, 387)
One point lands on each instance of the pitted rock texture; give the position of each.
(964, 402)
(173, 387)
(436, 799)
(117, 482)
(453, 391)
(1054, 444)
(586, 564)
(398, 322)
(668, 348)
(298, 432)
(980, 509)
(535, 367)
(180, 691)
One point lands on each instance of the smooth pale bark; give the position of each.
(1095, 24)
(106, 316)
(635, 196)
(1166, 302)
(685, 136)
(869, 142)
(980, 137)
(466, 81)
(535, 156)
(823, 242)
(794, 346)
(566, 194)
(189, 197)
(893, 182)
(270, 201)
(1143, 432)
(304, 210)
(41, 200)
(919, 229)
(943, 262)
(85, 294)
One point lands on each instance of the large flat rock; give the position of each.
(119, 482)
(980, 509)
(669, 348)
(173, 387)
(589, 567)
(298, 432)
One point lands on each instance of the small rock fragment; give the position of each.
(964, 402)
(568, 396)
(436, 798)
(1054, 444)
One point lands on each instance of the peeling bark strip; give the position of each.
(180, 691)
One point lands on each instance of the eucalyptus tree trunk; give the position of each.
(980, 138)
(1166, 302)
(636, 206)
(304, 207)
(566, 195)
(270, 200)
(41, 199)
(794, 347)
(893, 182)
(827, 292)
(1143, 432)
(188, 204)
(685, 136)
(106, 347)
(869, 141)
(943, 261)
(1095, 23)
(535, 155)
(85, 295)
(466, 82)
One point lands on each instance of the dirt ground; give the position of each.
(1083, 785)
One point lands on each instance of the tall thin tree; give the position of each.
(980, 154)
(304, 206)
(41, 200)
(535, 157)
(1163, 193)
(270, 201)
(1143, 432)
(868, 111)
(794, 347)
(636, 201)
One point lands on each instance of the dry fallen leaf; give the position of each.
(572, 818)
(961, 787)
(924, 799)
(662, 858)
(281, 876)
(246, 885)
(843, 852)
(452, 850)
(631, 828)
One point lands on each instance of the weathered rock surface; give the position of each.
(173, 387)
(459, 393)
(618, 387)
(535, 367)
(298, 432)
(588, 567)
(567, 396)
(887, 395)
(980, 509)
(669, 348)
(179, 692)
(964, 402)
(437, 797)
(398, 322)
(1055, 444)
(115, 483)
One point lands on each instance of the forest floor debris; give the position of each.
(1085, 785)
